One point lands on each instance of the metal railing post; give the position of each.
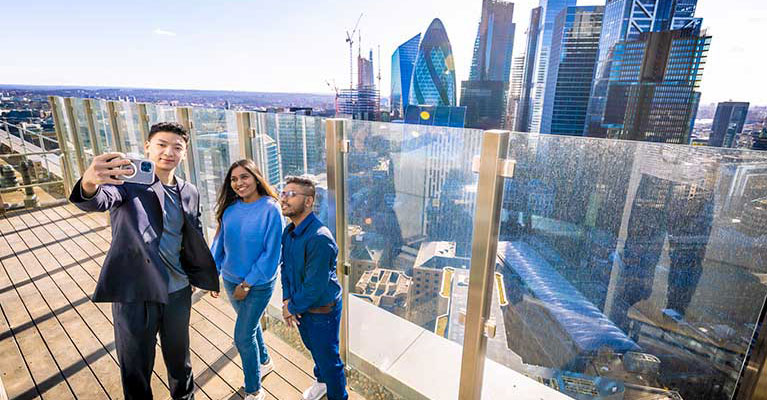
(752, 382)
(143, 122)
(245, 133)
(116, 135)
(183, 116)
(337, 149)
(92, 128)
(20, 128)
(70, 110)
(66, 157)
(493, 166)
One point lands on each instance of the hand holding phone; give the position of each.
(104, 170)
(139, 171)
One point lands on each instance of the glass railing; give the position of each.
(624, 269)
(30, 168)
(639, 266)
(411, 196)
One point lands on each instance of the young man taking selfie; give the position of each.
(158, 252)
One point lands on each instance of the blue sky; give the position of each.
(296, 45)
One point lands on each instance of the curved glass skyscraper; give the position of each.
(402, 62)
(433, 81)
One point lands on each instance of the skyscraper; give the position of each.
(625, 20)
(494, 43)
(652, 91)
(267, 157)
(728, 123)
(515, 91)
(484, 94)
(433, 81)
(574, 49)
(402, 62)
(522, 121)
(300, 142)
(549, 11)
(365, 73)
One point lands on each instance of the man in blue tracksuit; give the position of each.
(310, 290)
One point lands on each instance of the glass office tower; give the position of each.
(550, 9)
(402, 62)
(728, 123)
(653, 88)
(522, 121)
(486, 91)
(626, 20)
(574, 51)
(433, 81)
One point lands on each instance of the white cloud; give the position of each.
(159, 31)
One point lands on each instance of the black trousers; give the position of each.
(136, 327)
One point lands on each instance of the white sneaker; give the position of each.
(260, 395)
(267, 368)
(315, 392)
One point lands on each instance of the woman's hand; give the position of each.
(240, 292)
(214, 295)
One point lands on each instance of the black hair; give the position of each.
(172, 127)
(227, 196)
(302, 181)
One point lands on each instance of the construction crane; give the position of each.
(350, 40)
(334, 87)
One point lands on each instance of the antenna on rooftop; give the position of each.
(380, 89)
(350, 40)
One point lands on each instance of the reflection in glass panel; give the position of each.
(128, 125)
(68, 133)
(103, 127)
(83, 129)
(290, 143)
(630, 267)
(411, 201)
(215, 148)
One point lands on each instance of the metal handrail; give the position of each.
(21, 128)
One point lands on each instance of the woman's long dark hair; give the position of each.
(227, 196)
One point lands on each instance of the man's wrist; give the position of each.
(245, 286)
(88, 189)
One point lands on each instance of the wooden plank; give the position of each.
(86, 278)
(15, 373)
(282, 383)
(285, 364)
(214, 387)
(105, 367)
(211, 328)
(39, 359)
(55, 313)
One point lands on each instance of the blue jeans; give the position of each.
(319, 333)
(247, 331)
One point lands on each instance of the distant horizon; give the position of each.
(25, 85)
(330, 95)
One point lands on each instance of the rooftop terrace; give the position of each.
(550, 266)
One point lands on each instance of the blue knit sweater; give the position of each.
(247, 247)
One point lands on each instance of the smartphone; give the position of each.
(143, 171)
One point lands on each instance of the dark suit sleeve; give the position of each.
(106, 198)
(198, 216)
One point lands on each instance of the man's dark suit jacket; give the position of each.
(133, 270)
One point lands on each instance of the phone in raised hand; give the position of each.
(143, 171)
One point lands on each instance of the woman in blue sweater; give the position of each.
(247, 250)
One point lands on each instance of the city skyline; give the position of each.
(119, 45)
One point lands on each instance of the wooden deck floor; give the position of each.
(57, 344)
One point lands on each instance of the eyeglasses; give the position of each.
(289, 194)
